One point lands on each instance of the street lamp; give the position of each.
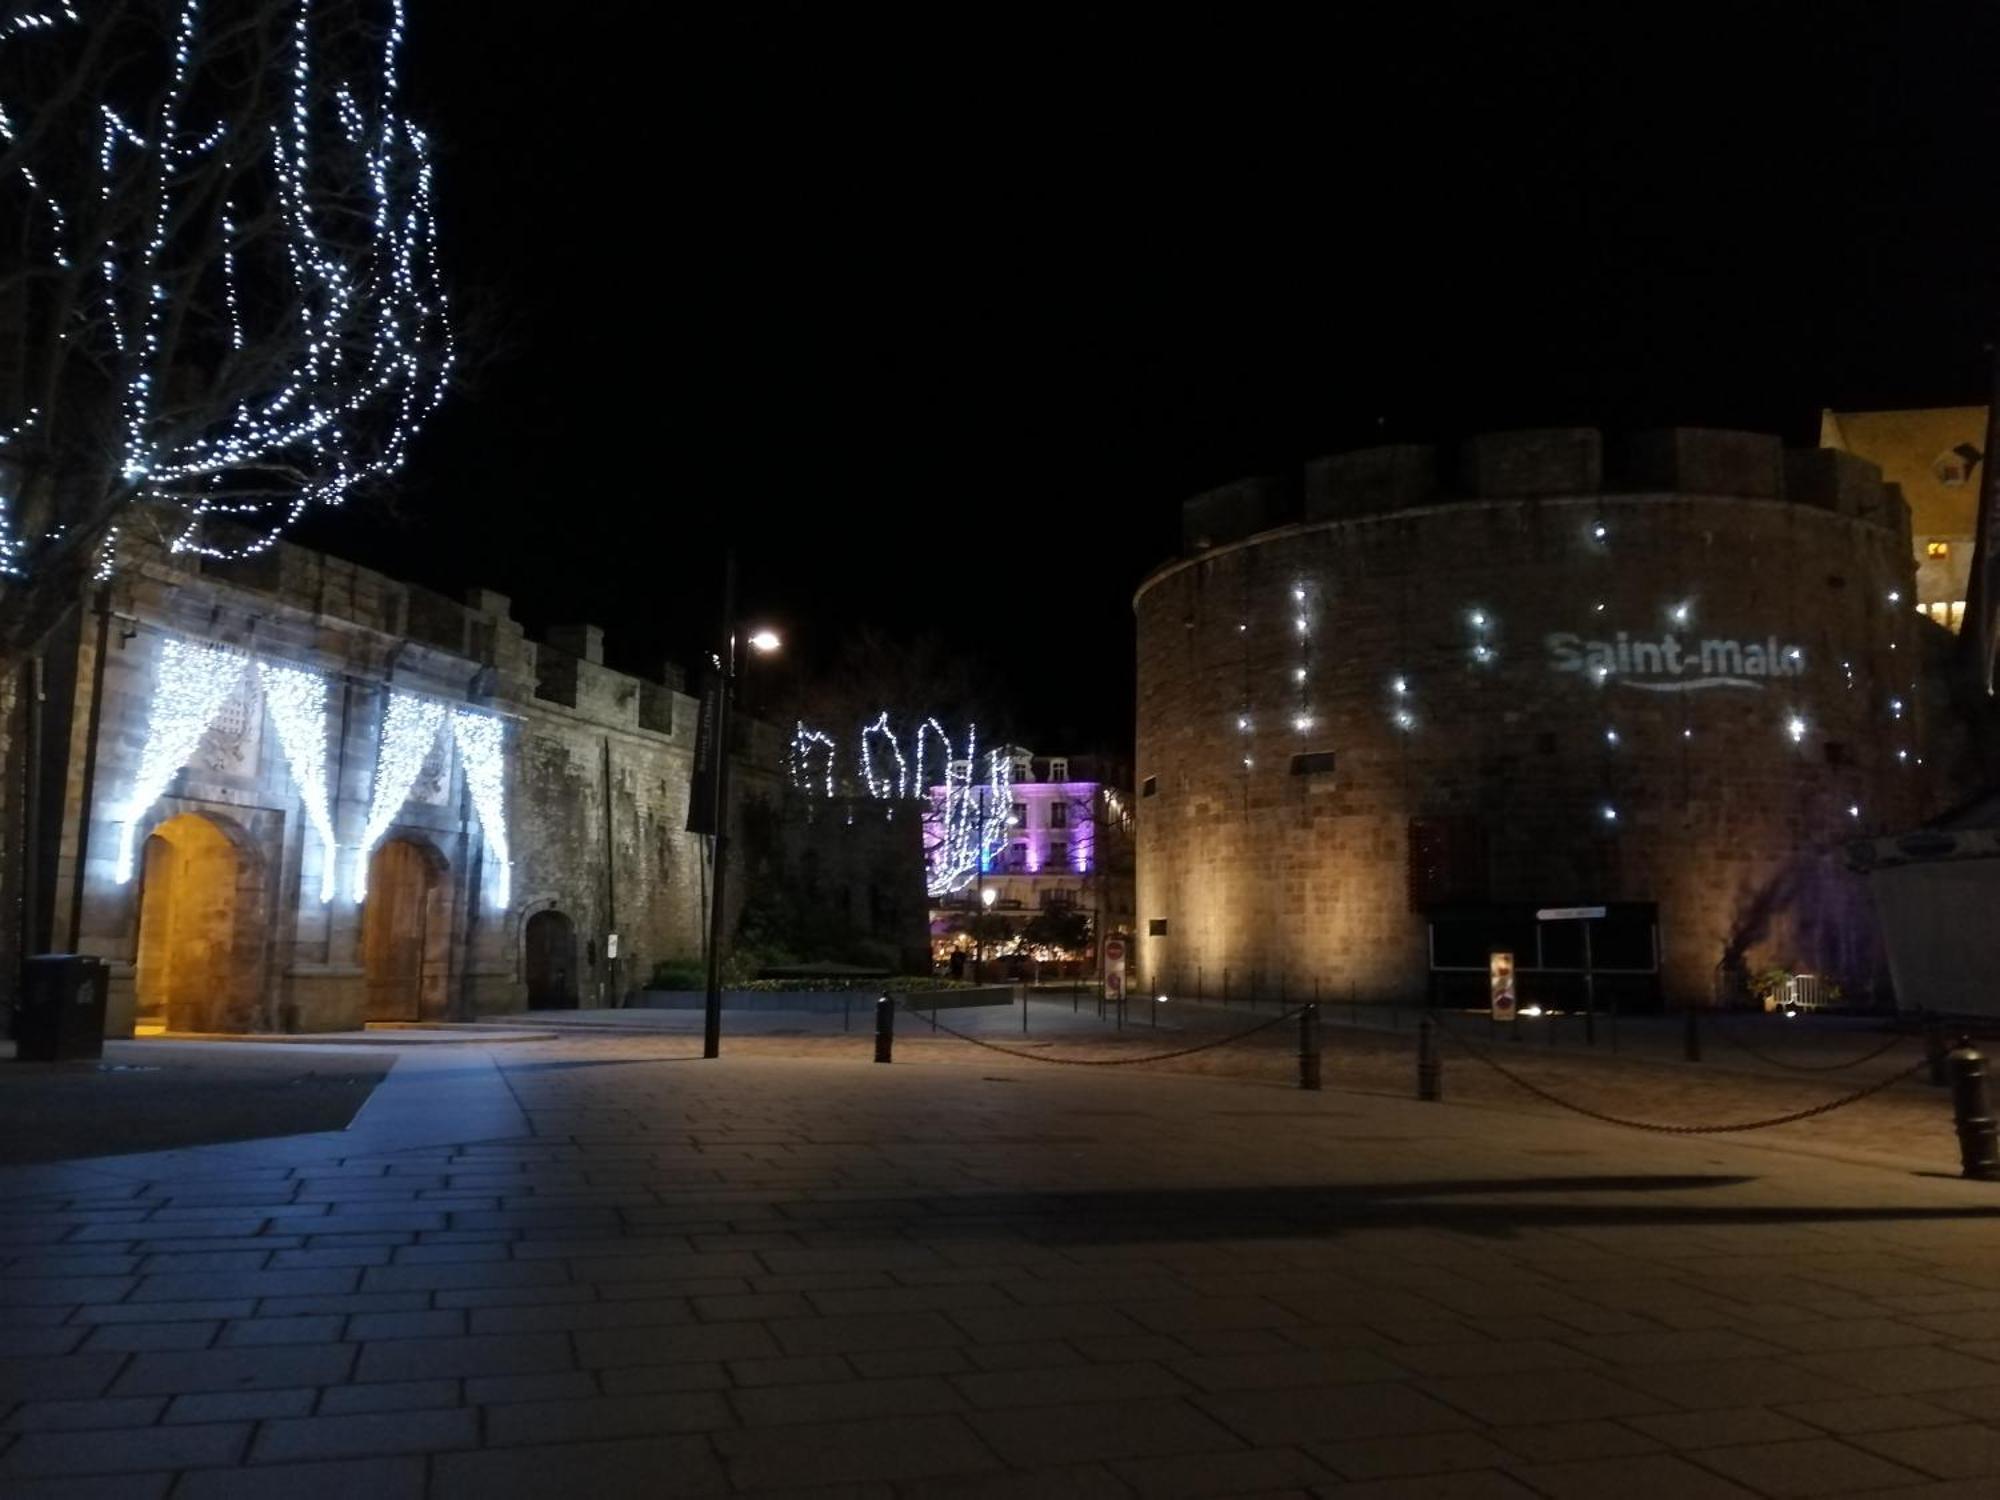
(763, 641)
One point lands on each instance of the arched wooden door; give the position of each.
(550, 961)
(191, 959)
(403, 930)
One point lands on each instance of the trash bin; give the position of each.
(61, 1015)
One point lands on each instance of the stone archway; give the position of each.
(405, 932)
(199, 945)
(548, 961)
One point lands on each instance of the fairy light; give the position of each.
(482, 750)
(1611, 737)
(1482, 644)
(805, 742)
(189, 689)
(885, 787)
(1681, 613)
(354, 345)
(410, 728)
(296, 699)
(1895, 708)
(1795, 728)
(1610, 813)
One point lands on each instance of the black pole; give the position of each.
(1309, 1047)
(885, 1029)
(1430, 1070)
(1978, 1140)
(711, 1024)
(1693, 1038)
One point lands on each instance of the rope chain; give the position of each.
(1793, 1118)
(1778, 1062)
(1118, 1062)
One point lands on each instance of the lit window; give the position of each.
(1059, 770)
(1937, 549)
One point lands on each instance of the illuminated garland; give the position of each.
(328, 204)
(804, 742)
(189, 689)
(884, 788)
(409, 729)
(297, 701)
(482, 745)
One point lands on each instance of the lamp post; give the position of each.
(763, 641)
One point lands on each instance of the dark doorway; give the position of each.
(551, 961)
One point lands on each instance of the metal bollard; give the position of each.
(846, 1004)
(1972, 1112)
(885, 1029)
(1936, 1049)
(1430, 1066)
(1309, 1048)
(1691, 1039)
(1024, 1010)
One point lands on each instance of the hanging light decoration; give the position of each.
(189, 689)
(297, 701)
(410, 728)
(482, 743)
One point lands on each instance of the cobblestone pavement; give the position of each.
(583, 1267)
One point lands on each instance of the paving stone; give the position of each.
(1849, 1415)
(599, 1417)
(389, 1395)
(112, 1450)
(365, 1435)
(844, 1400)
(1482, 1484)
(1965, 1451)
(234, 1370)
(1068, 1384)
(428, 1359)
(1900, 1372)
(1568, 1442)
(255, 1333)
(1812, 1466)
(634, 1470)
(1046, 1435)
(1292, 1367)
(373, 1478)
(1577, 1394)
(1307, 1414)
(150, 1486)
(858, 1333)
(1656, 1476)
(598, 1348)
(428, 1323)
(1398, 1457)
(1711, 1429)
(550, 1385)
(63, 1416)
(1242, 1471)
(136, 1336)
(240, 1406)
(891, 1448)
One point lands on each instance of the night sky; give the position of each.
(940, 313)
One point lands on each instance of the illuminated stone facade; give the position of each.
(1415, 683)
(221, 925)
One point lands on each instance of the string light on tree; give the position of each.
(1481, 624)
(1795, 729)
(410, 728)
(297, 702)
(482, 745)
(254, 289)
(805, 744)
(189, 689)
(885, 787)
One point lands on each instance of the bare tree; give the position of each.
(219, 288)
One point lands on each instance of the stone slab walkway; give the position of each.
(574, 1268)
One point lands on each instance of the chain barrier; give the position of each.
(1790, 1119)
(1778, 1062)
(1119, 1062)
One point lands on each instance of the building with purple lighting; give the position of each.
(1064, 843)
